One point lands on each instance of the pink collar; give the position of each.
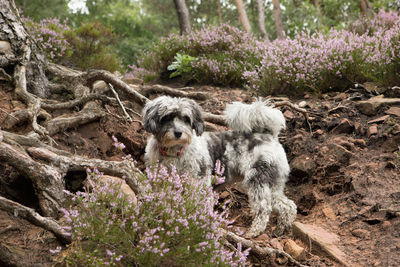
(163, 151)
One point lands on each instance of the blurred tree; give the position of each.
(244, 20)
(365, 7)
(41, 9)
(261, 19)
(183, 16)
(280, 32)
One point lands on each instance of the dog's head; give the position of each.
(173, 120)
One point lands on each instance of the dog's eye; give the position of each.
(186, 119)
(166, 118)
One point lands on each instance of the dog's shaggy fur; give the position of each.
(250, 151)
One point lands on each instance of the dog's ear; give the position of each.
(198, 123)
(150, 117)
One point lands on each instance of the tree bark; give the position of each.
(183, 16)
(365, 7)
(219, 12)
(261, 19)
(244, 20)
(13, 32)
(280, 32)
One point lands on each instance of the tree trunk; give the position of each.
(317, 7)
(219, 12)
(365, 7)
(183, 16)
(14, 36)
(280, 32)
(243, 16)
(261, 19)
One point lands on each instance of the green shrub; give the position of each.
(91, 47)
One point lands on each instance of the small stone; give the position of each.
(302, 104)
(340, 97)
(380, 119)
(276, 244)
(302, 166)
(288, 115)
(294, 250)
(341, 154)
(224, 195)
(307, 96)
(360, 233)
(393, 111)
(345, 126)
(386, 224)
(360, 143)
(318, 132)
(372, 130)
(370, 107)
(329, 213)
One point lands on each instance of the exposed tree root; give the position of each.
(31, 215)
(76, 163)
(261, 252)
(47, 181)
(148, 90)
(106, 76)
(296, 108)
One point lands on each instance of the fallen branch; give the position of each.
(119, 102)
(148, 90)
(259, 251)
(31, 215)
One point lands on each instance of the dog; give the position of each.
(250, 151)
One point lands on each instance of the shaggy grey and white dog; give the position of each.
(250, 151)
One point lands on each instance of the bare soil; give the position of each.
(342, 179)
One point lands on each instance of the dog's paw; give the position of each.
(252, 234)
(280, 230)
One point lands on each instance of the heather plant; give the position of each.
(48, 34)
(317, 62)
(222, 53)
(173, 223)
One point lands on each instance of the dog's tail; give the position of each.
(258, 117)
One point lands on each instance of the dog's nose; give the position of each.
(178, 134)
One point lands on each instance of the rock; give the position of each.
(341, 154)
(345, 126)
(302, 166)
(100, 87)
(374, 88)
(318, 132)
(329, 213)
(360, 143)
(393, 111)
(224, 195)
(276, 244)
(288, 115)
(302, 104)
(5, 47)
(371, 106)
(322, 241)
(372, 130)
(378, 120)
(340, 97)
(122, 185)
(294, 250)
(360, 233)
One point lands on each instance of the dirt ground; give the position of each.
(345, 178)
